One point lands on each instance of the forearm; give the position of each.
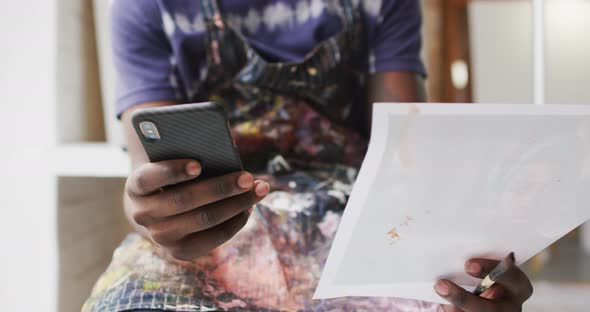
(396, 87)
(399, 87)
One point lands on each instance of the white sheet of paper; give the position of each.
(442, 183)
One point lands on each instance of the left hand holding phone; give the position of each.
(189, 220)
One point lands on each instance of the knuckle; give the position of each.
(173, 173)
(169, 172)
(207, 218)
(177, 200)
(224, 187)
(141, 180)
(141, 217)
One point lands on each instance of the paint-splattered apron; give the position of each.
(299, 125)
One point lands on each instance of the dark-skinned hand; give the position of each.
(508, 294)
(190, 219)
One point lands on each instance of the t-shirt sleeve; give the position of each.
(396, 42)
(141, 53)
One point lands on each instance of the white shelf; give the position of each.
(89, 160)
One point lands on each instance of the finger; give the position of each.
(465, 300)
(479, 268)
(496, 292)
(514, 281)
(202, 218)
(183, 198)
(151, 177)
(201, 243)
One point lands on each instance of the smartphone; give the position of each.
(198, 131)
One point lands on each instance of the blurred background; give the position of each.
(62, 168)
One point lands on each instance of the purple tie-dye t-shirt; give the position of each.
(159, 45)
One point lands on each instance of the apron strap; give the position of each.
(215, 26)
(210, 10)
(350, 15)
(351, 22)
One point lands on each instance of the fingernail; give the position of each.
(441, 288)
(511, 255)
(250, 210)
(245, 180)
(473, 267)
(262, 189)
(193, 168)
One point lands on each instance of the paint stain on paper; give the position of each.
(407, 221)
(393, 235)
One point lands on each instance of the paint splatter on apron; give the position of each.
(297, 126)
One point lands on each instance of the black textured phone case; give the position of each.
(191, 131)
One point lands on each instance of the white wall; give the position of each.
(114, 128)
(568, 51)
(27, 226)
(501, 44)
(79, 102)
(501, 51)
